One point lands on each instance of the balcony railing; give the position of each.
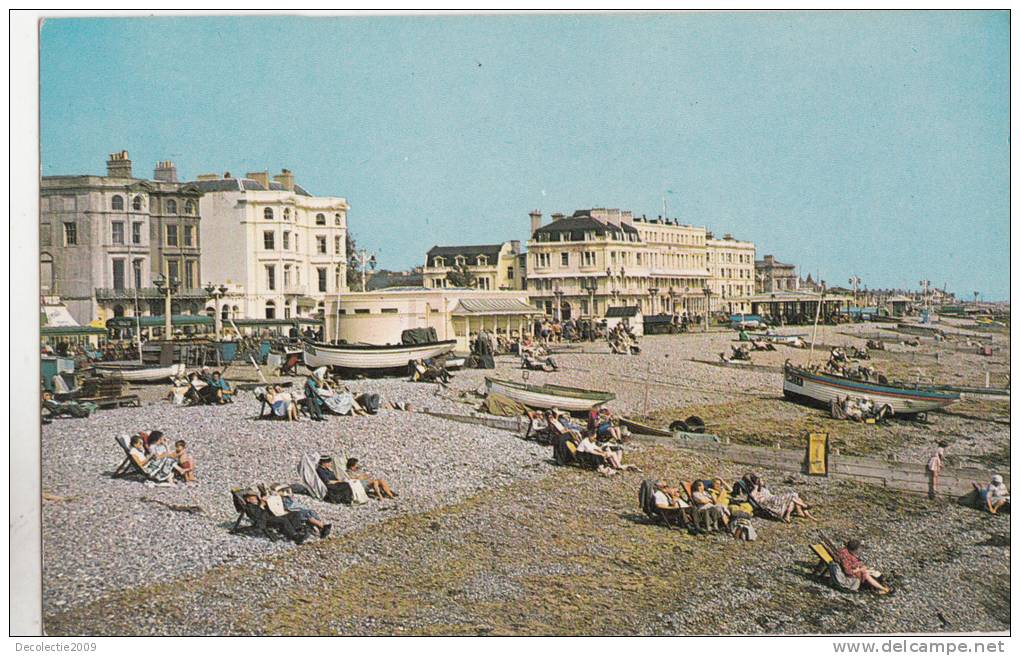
(148, 293)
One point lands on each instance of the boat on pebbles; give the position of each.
(571, 399)
(372, 357)
(817, 388)
(133, 372)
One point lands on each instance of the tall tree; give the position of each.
(460, 276)
(352, 248)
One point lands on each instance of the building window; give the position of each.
(320, 245)
(542, 259)
(117, 235)
(286, 214)
(270, 310)
(339, 277)
(70, 234)
(388, 311)
(438, 262)
(286, 240)
(286, 276)
(137, 267)
(286, 311)
(337, 220)
(173, 270)
(118, 274)
(171, 235)
(189, 233)
(482, 260)
(564, 259)
(588, 258)
(510, 273)
(190, 268)
(270, 277)
(336, 244)
(268, 213)
(136, 233)
(460, 260)
(117, 203)
(320, 219)
(322, 278)
(189, 208)
(136, 204)
(171, 206)
(483, 283)
(361, 311)
(269, 240)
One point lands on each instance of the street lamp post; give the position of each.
(362, 260)
(216, 293)
(708, 305)
(167, 287)
(591, 286)
(559, 302)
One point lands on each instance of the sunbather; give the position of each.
(667, 500)
(282, 403)
(710, 512)
(849, 561)
(307, 515)
(781, 506)
(221, 389)
(604, 427)
(313, 401)
(376, 486)
(326, 470)
(613, 458)
(994, 495)
(185, 462)
(158, 468)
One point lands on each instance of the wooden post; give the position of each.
(986, 378)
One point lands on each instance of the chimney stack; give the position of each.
(557, 216)
(261, 177)
(206, 177)
(118, 166)
(536, 220)
(286, 178)
(515, 246)
(165, 171)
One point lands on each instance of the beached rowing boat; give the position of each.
(365, 357)
(818, 388)
(137, 373)
(643, 429)
(571, 399)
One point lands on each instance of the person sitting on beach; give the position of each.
(185, 462)
(709, 511)
(994, 495)
(282, 403)
(155, 446)
(376, 486)
(613, 458)
(780, 506)
(326, 470)
(313, 401)
(849, 560)
(221, 390)
(605, 429)
(667, 500)
(307, 515)
(157, 468)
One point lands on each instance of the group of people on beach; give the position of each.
(162, 465)
(202, 387)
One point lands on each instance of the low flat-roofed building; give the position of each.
(379, 317)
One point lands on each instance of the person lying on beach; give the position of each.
(994, 495)
(307, 515)
(157, 468)
(376, 486)
(781, 506)
(849, 560)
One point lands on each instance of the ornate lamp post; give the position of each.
(672, 301)
(168, 288)
(361, 260)
(216, 293)
(591, 285)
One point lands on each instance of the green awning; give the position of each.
(295, 321)
(158, 321)
(54, 331)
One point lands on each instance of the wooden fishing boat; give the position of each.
(571, 399)
(818, 388)
(367, 357)
(781, 339)
(643, 429)
(133, 372)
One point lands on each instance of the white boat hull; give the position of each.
(143, 374)
(539, 400)
(395, 357)
(824, 393)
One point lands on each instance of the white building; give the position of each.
(731, 273)
(280, 251)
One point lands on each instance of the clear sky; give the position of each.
(867, 143)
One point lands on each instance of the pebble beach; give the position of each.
(492, 512)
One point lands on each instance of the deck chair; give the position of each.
(539, 429)
(565, 453)
(673, 519)
(829, 571)
(128, 467)
(289, 525)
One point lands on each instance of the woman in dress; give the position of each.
(282, 403)
(708, 509)
(781, 506)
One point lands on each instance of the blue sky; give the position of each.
(867, 143)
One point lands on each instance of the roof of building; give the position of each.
(620, 312)
(494, 306)
(471, 252)
(243, 184)
(579, 223)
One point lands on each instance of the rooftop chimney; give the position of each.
(261, 177)
(165, 171)
(728, 237)
(286, 178)
(515, 246)
(205, 177)
(536, 220)
(118, 166)
(556, 216)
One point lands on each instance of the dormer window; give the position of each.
(482, 260)
(438, 262)
(460, 260)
